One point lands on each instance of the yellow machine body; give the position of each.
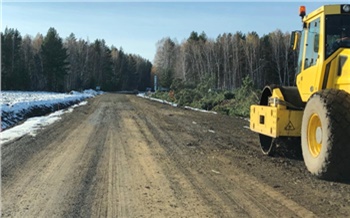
(275, 119)
(318, 68)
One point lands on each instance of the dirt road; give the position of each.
(124, 156)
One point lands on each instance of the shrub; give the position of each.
(161, 95)
(229, 95)
(203, 96)
(187, 96)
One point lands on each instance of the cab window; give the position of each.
(312, 43)
(337, 33)
(301, 50)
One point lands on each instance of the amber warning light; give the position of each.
(302, 11)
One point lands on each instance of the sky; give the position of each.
(137, 26)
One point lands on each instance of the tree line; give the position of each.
(50, 63)
(227, 60)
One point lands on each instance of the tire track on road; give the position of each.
(243, 196)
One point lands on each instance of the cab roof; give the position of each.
(326, 10)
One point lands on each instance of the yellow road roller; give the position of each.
(316, 111)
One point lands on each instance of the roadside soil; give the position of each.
(124, 156)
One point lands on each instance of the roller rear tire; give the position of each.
(325, 135)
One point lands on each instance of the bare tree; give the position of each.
(276, 40)
(165, 61)
(238, 57)
(252, 54)
(38, 80)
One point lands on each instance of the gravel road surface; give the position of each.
(124, 156)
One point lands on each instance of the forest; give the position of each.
(225, 74)
(227, 60)
(50, 63)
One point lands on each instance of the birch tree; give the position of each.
(165, 61)
(276, 41)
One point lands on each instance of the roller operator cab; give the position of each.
(315, 112)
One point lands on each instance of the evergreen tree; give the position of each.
(123, 70)
(115, 68)
(193, 36)
(108, 79)
(54, 57)
(28, 63)
(13, 74)
(167, 78)
(132, 77)
(38, 80)
(144, 69)
(165, 60)
(119, 65)
(44, 63)
(71, 45)
(203, 37)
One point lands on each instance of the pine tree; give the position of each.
(122, 75)
(54, 61)
(13, 74)
(27, 56)
(132, 74)
(107, 82)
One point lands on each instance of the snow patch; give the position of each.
(29, 108)
(143, 95)
(32, 125)
(200, 110)
(18, 106)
